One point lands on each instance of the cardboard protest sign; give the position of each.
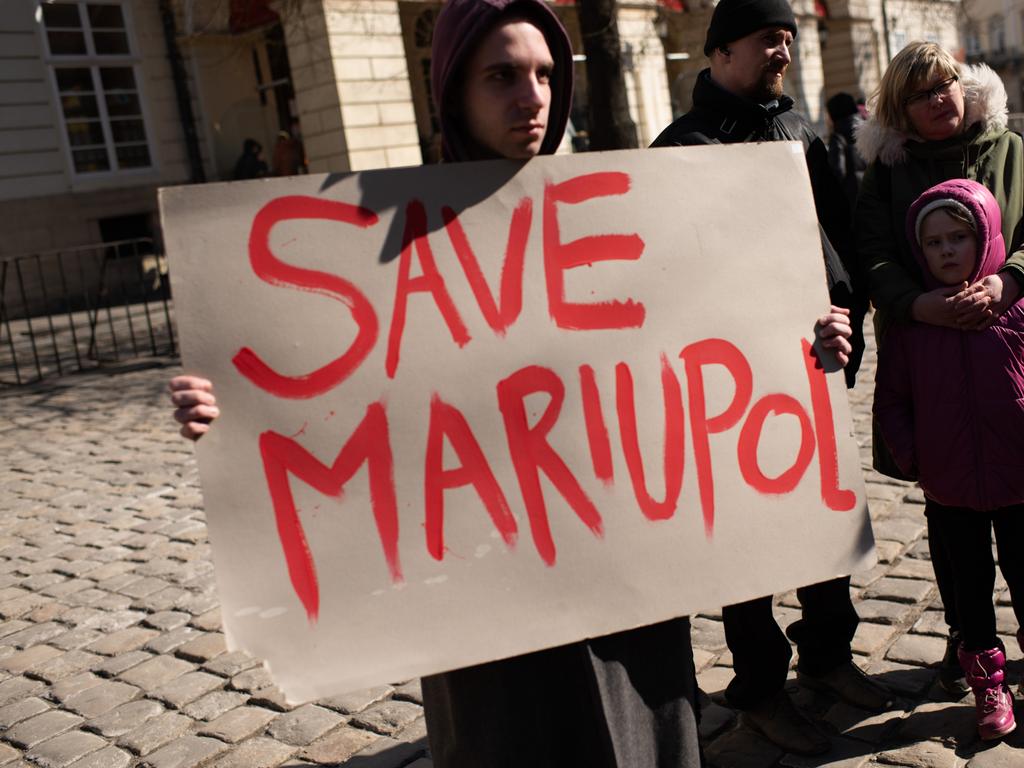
(475, 410)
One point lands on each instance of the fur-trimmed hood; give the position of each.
(984, 102)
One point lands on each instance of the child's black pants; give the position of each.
(960, 540)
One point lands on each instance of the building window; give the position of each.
(973, 41)
(996, 39)
(96, 79)
(899, 40)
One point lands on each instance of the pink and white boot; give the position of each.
(1020, 642)
(986, 672)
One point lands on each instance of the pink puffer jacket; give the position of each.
(950, 403)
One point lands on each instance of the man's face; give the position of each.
(755, 65)
(507, 91)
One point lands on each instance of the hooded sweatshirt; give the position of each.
(650, 718)
(902, 166)
(950, 403)
(461, 25)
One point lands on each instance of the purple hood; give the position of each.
(459, 28)
(989, 221)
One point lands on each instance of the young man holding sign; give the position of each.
(503, 82)
(502, 79)
(740, 99)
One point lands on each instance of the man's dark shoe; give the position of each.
(785, 726)
(951, 676)
(851, 685)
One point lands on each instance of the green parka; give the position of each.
(901, 167)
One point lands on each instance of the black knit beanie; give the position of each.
(734, 19)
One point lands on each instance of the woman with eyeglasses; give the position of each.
(933, 120)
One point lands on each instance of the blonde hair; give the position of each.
(964, 217)
(916, 64)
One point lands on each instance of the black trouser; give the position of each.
(938, 546)
(761, 652)
(627, 700)
(963, 543)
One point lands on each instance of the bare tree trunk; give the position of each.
(611, 127)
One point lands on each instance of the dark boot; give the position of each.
(779, 721)
(850, 684)
(951, 675)
(993, 703)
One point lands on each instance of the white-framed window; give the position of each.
(95, 75)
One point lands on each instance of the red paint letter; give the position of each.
(834, 497)
(695, 357)
(597, 431)
(674, 440)
(499, 319)
(750, 436)
(559, 256)
(532, 454)
(448, 421)
(415, 236)
(272, 270)
(369, 444)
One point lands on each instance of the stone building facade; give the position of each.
(993, 32)
(104, 101)
(841, 45)
(88, 122)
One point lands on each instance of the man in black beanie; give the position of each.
(739, 98)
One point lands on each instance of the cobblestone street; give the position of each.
(112, 655)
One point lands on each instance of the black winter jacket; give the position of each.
(720, 117)
(844, 159)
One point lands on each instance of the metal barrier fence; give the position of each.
(77, 309)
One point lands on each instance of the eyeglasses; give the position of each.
(925, 96)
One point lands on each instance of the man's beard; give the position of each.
(771, 86)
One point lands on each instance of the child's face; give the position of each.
(950, 247)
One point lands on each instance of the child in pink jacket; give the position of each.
(950, 404)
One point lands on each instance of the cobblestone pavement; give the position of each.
(112, 655)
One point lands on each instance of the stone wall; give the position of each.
(352, 85)
(646, 77)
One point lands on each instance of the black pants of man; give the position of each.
(961, 543)
(761, 652)
(627, 700)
